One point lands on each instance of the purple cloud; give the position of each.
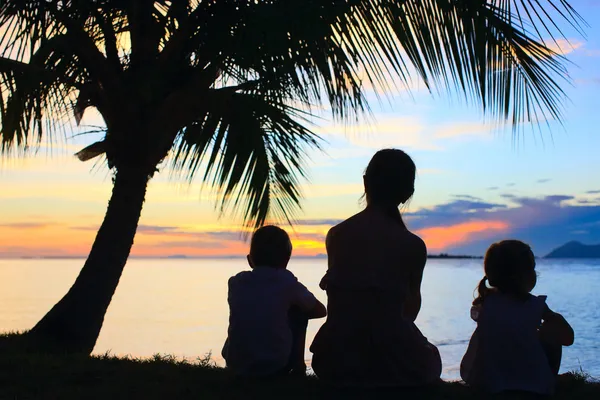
(545, 222)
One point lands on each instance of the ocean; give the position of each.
(179, 306)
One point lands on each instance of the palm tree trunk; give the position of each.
(74, 323)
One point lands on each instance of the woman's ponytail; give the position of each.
(482, 291)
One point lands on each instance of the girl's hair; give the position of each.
(389, 178)
(507, 265)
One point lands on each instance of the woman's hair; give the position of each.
(389, 181)
(509, 268)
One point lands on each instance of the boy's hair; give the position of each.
(270, 247)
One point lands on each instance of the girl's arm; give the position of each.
(412, 306)
(555, 329)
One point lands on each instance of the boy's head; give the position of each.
(270, 247)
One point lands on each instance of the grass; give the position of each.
(34, 376)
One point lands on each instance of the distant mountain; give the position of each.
(575, 250)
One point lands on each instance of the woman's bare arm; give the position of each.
(324, 280)
(412, 306)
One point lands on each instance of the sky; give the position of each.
(476, 183)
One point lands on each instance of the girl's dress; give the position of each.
(505, 351)
(365, 340)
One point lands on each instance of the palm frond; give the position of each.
(36, 95)
(252, 147)
(494, 52)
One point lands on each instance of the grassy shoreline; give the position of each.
(26, 375)
(30, 376)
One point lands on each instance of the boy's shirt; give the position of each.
(259, 337)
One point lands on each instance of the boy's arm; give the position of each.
(318, 311)
(555, 329)
(307, 302)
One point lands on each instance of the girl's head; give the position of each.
(389, 179)
(509, 268)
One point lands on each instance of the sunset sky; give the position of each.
(476, 183)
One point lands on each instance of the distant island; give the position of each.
(452, 256)
(575, 249)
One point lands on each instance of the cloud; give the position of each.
(462, 129)
(593, 192)
(465, 224)
(545, 180)
(470, 227)
(587, 81)
(25, 225)
(332, 190)
(564, 46)
(466, 197)
(403, 132)
(456, 207)
(188, 244)
(235, 235)
(442, 237)
(318, 222)
(493, 188)
(157, 229)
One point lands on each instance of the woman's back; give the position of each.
(370, 251)
(373, 288)
(366, 339)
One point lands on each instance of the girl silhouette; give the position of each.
(517, 344)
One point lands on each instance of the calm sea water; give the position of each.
(179, 307)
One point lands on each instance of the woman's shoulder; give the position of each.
(415, 240)
(351, 223)
(364, 221)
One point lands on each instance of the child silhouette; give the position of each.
(517, 344)
(268, 311)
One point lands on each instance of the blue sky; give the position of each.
(476, 183)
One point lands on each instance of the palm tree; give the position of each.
(224, 88)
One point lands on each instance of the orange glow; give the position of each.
(441, 237)
(55, 239)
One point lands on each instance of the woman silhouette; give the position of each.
(373, 282)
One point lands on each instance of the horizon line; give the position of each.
(192, 257)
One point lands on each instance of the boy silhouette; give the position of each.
(268, 311)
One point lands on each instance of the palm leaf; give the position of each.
(484, 48)
(252, 146)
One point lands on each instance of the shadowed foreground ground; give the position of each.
(30, 376)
